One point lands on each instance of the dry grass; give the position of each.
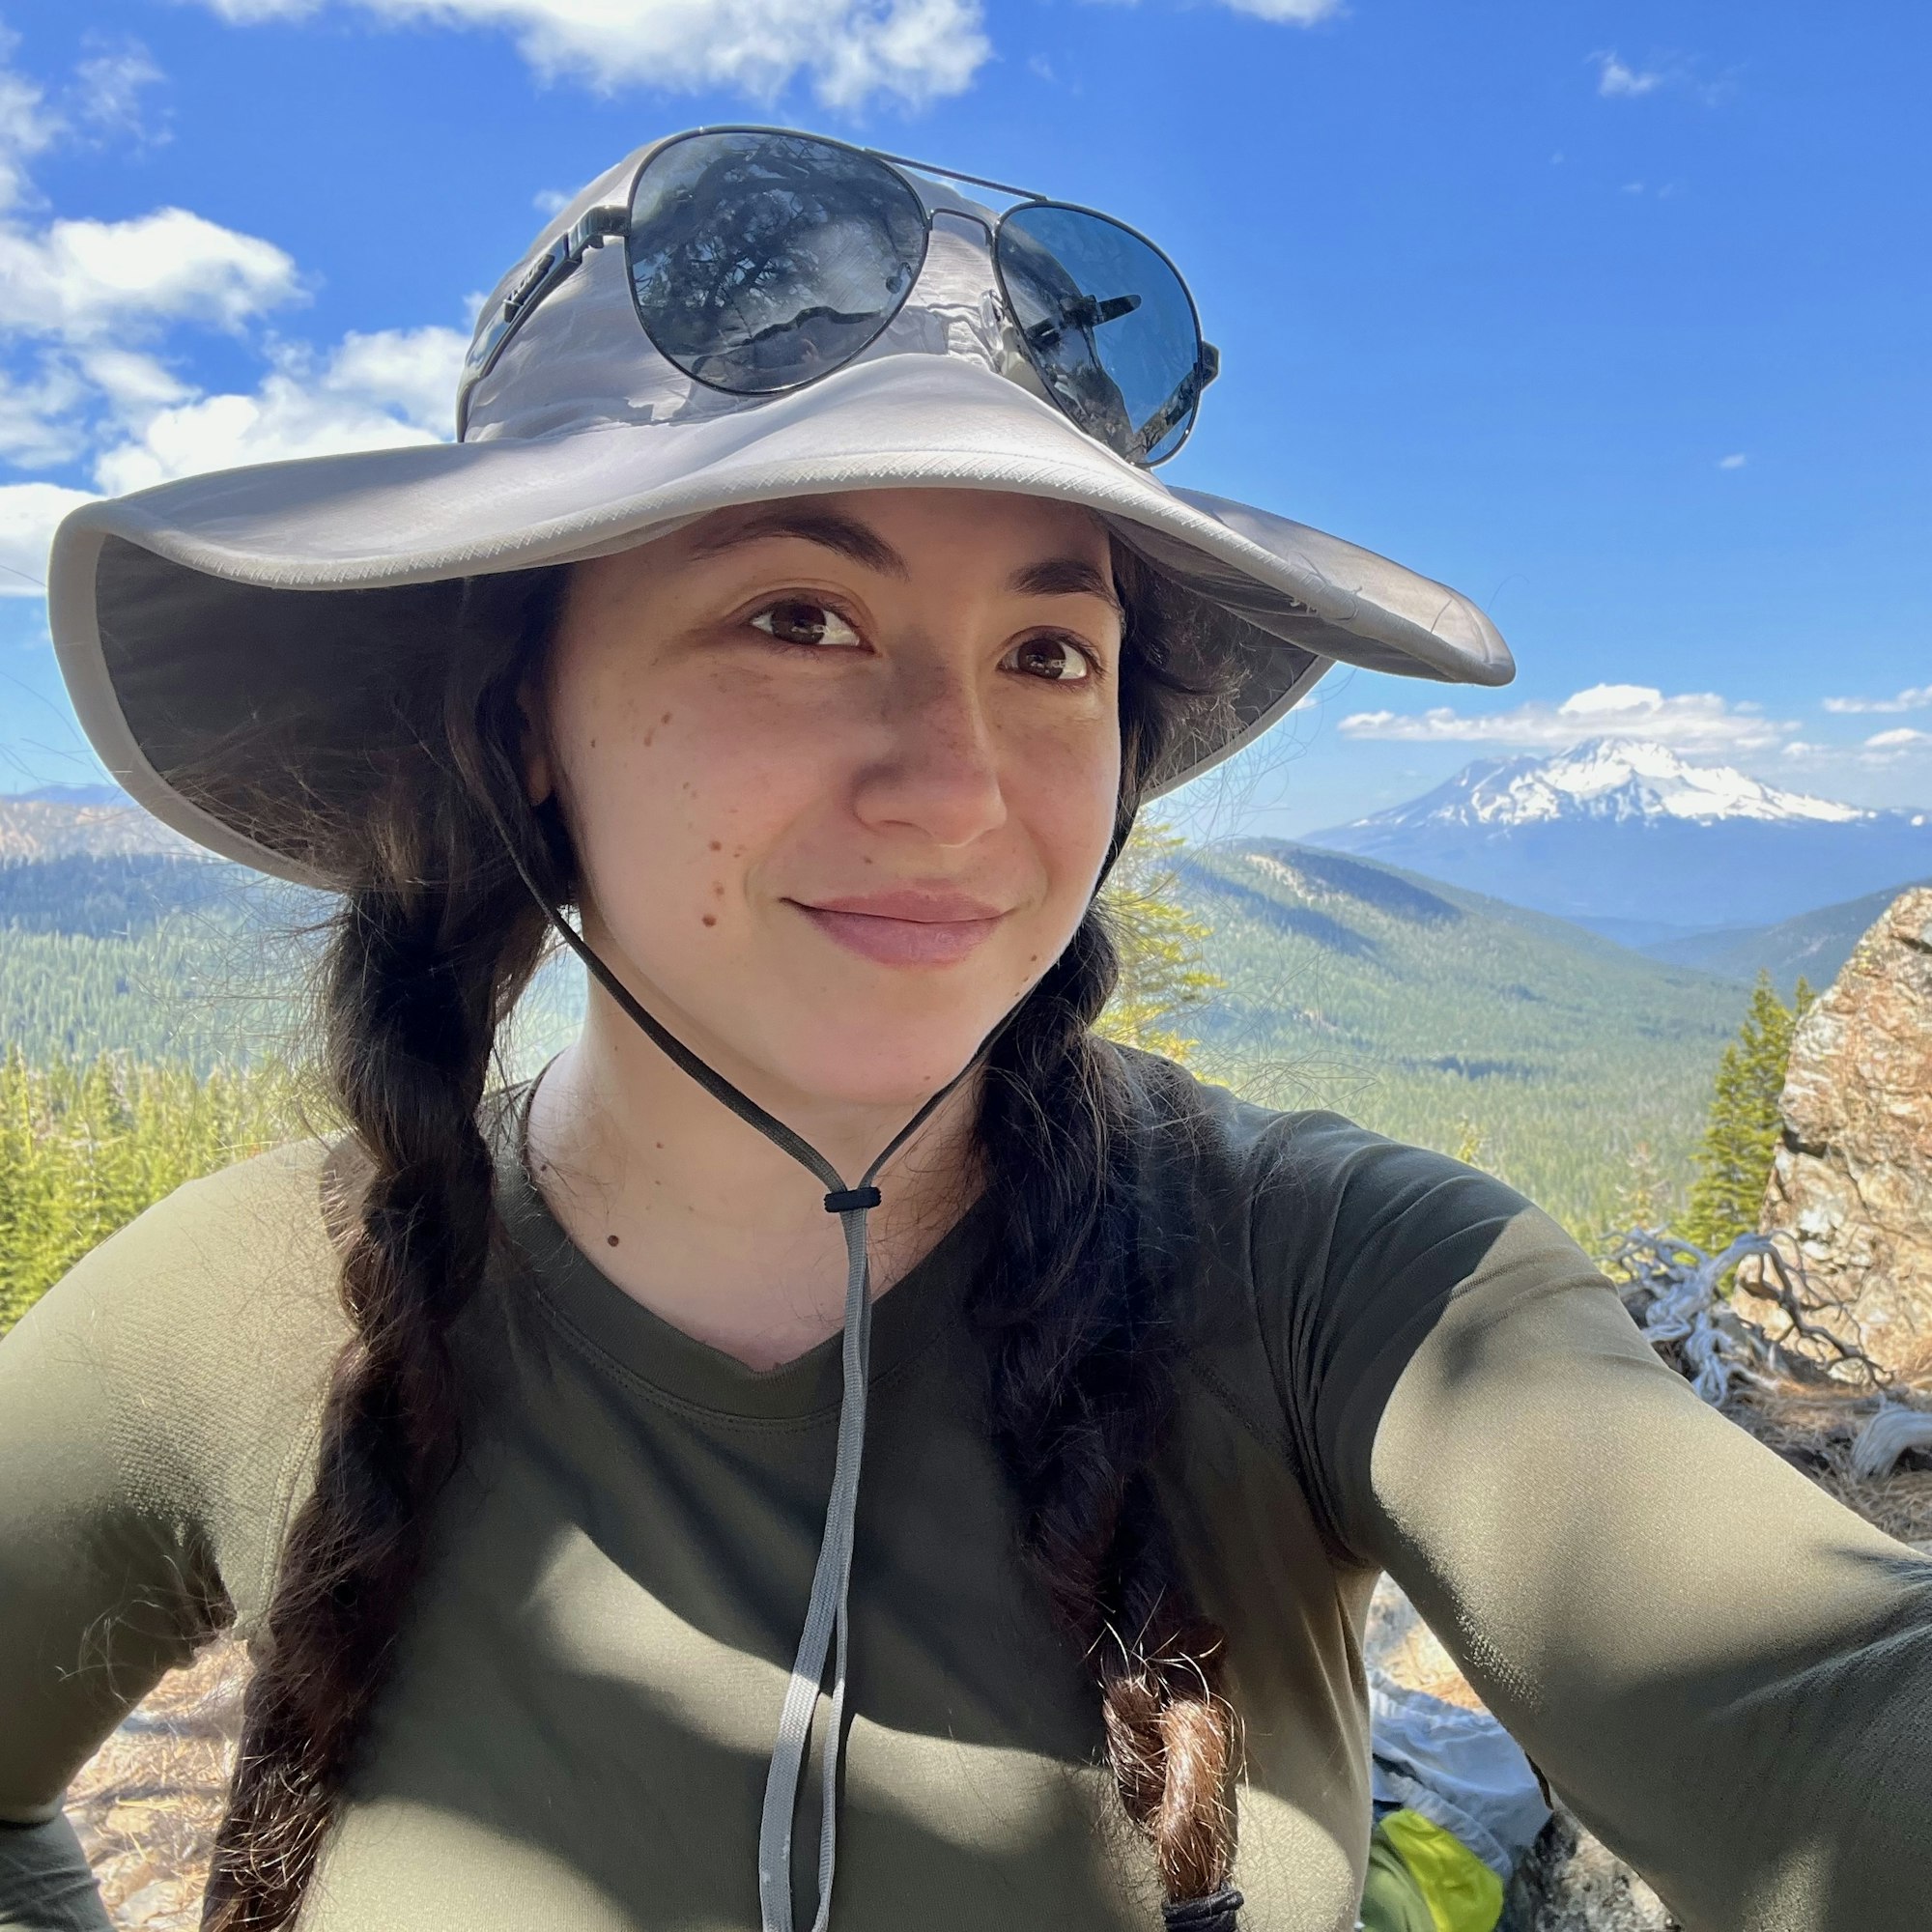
(147, 1803)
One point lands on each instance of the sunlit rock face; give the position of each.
(1852, 1183)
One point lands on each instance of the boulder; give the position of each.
(1851, 1184)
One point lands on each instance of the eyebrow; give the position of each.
(1065, 577)
(845, 534)
(1051, 577)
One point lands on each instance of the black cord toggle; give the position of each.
(848, 1198)
(1213, 1914)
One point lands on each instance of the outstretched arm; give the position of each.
(1726, 1674)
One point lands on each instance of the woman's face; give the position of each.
(841, 773)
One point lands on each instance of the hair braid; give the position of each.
(1080, 1321)
(428, 953)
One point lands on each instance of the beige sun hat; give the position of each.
(183, 612)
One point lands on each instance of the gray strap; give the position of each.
(825, 1616)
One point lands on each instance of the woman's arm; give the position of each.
(1728, 1675)
(106, 1579)
(45, 1885)
(152, 1406)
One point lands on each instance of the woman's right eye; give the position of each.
(802, 620)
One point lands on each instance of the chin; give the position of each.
(889, 1067)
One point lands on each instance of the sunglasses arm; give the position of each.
(1188, 392)
(548, 271)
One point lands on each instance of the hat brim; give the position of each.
(1295, 601)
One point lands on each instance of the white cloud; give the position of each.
(1915, 698)
(1735, 461)
(1616, 80)
(79, 278)
(28, 514)
(849, 50)
(376, 391)
(28, 127)
(412, 371)
(1690, 721)
(549, 200)
(132, 382)
(1900, 738)
(108, 86)
(1293, 12)
(38, 427)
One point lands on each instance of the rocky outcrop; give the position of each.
(1852, 1183)
(1573, 1883)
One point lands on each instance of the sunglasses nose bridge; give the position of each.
(969, 219)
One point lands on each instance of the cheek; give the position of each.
(676, 790)
(1064, 787)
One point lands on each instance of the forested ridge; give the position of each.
(150, 1008)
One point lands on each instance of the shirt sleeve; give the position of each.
(1726, 1674)
(45, 1883)
(150, 1403)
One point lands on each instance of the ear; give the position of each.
(538, 779)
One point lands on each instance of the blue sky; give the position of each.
(1615, 316)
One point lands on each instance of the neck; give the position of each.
(700, 1217)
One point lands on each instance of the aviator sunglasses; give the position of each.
(760, 260)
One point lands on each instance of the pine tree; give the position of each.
(1742, 1129)
(1162, 967)
(86, 1144)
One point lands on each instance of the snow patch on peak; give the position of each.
(1618, 779)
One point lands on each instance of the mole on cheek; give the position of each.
(666, 719)
(716, 846)
(711, 918)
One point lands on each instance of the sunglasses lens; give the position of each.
(759, 261)
(1107, 324)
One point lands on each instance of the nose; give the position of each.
(936, 767)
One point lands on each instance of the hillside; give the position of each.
(183, 958)
(1815, 944)
(1422, 1010)
(1440, 1016)
(62, 822)
(1641, 843)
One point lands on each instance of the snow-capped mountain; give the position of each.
(1619, 832)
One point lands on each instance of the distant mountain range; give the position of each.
(1639, 844)
(1814, 946)
(81, 821)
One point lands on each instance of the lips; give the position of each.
(911, 925)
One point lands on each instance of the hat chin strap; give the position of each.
(827, 1615)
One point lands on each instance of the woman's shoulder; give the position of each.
(169, 1383)
(1283, 1170)
(218, 1303)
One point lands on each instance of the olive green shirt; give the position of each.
(1393, 1361)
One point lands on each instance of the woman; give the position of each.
(798, 610)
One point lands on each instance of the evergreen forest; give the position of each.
(151, 1009)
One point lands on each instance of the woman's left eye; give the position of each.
(1060, 659)
(800, 620)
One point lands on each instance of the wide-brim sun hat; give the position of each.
(184, 612)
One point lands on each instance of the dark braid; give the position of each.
(1080, 1310)
(436, 938)
(430, 949)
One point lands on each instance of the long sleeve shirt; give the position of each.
(1391, 1362)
